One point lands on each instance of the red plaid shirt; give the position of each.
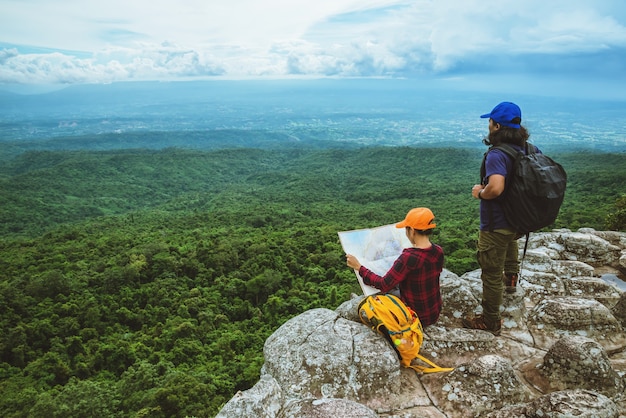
(416, 273)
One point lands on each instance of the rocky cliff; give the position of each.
(562, 352)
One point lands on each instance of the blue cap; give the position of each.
(504, 113)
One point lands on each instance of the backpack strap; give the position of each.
(483, 173)
(432, 369)
(511, 152)
(521, 263)
(514, 154)
(528, 151)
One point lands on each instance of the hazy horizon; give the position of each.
(356, 112)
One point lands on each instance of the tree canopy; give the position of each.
(144, 283)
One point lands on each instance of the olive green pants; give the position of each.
(497, 254)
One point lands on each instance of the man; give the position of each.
(416, 271)
(497, 241)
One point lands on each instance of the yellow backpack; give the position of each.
(388, 315)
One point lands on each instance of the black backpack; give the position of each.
(534, 190)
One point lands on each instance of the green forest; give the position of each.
(143, 283)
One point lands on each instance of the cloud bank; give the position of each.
(44, 42)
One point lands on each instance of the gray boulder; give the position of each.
(576, 362)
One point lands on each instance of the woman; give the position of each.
(416, 271)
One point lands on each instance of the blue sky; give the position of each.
(531, 43)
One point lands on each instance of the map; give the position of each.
(376, 248)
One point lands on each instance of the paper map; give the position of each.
(376, 248)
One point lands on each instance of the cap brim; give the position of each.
(403, 224)
(486, 115)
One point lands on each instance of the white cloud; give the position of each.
(166, 39)
(160, 62)
(89, 24)
(509, 28)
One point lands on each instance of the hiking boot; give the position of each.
(510, 282)
(480, 322)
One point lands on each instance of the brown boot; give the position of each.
(510, 282)
(482, 323)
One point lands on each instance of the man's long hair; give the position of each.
(506, 135)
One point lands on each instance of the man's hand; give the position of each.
(476, 189)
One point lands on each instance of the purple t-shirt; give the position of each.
(497, 162)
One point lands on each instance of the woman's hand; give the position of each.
(352, 262)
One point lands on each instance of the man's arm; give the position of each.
(493, 189)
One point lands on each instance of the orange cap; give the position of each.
(418, 218)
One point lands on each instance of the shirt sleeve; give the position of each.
(496, 163)
(396, 274)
